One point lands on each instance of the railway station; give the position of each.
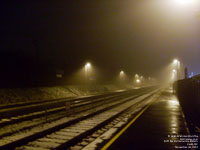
(100, 75)
(144, 118)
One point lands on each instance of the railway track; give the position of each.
(25, 111)
(97, 139)
(29, 107)
(19, 112)
(26, 132)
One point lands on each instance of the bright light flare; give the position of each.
(138, 81)
(173, 103)
(122, 72)
(88, 65)
(174, 71)
(184, 2)
(175, 61)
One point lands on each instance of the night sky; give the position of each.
(137, 36)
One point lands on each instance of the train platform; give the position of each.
(160, 126)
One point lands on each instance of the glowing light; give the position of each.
(175, 61)
(87, 71)
(173, 103)
(174, 71)
(88, 65)
(184, 1)
(192, 74)
(136, 76)
(121, 72)
(138, 81)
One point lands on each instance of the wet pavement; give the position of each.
(159, 127)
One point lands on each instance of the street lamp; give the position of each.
(138, 80)
(122, 77)
(121, 73)
(173, 75)
(87, 67)
(174, 71)
(176, 62)
(136, 76)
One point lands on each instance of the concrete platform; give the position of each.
(159, 127)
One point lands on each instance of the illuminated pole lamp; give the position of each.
(121, 74)
(87, 68)
(174, 71)
(177, 63)
(138, 81)
(136, 76)
(173, 76)
(142, 77)
(142, 81)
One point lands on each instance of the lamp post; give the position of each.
(87, 67)
(121, 76)
(177, 63)
(137, 80)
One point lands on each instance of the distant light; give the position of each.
(88, 65)
(174, 71)
(59, 75)
(138, 81)
(141, 77)
(136, 76)
(121, 73)
(175, 61)
(192, 74)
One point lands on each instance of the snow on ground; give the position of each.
(30, 94)
(15, 95)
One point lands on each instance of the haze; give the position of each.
(136, 36)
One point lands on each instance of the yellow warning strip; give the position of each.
(124, 129)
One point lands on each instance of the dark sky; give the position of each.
(137, 36)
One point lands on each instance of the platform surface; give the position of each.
(159, 123)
